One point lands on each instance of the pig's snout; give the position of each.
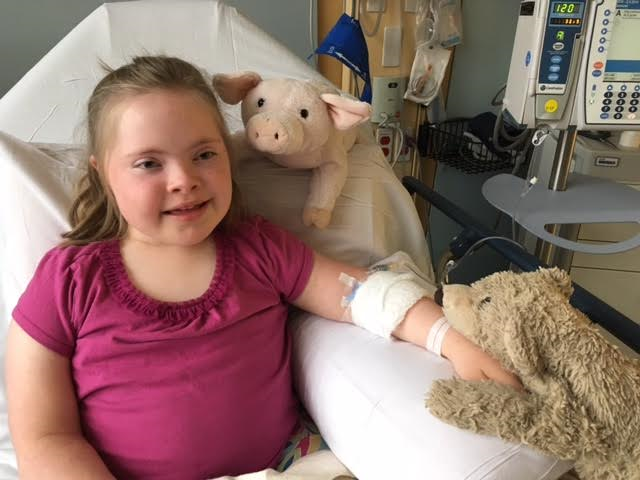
(271, 135)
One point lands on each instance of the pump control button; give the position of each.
(550, 106)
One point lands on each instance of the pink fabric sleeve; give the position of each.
(43, 310)
(288, 259)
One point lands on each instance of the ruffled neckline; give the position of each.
(132, 298)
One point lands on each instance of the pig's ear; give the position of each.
(344, 112)
(232, 88)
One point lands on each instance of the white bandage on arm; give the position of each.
(436, 335)
(381, 302)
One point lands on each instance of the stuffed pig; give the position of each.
(298, 124)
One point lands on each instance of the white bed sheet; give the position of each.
(367, 395)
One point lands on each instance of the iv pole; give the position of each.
(560, 170)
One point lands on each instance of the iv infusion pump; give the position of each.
(576, 63)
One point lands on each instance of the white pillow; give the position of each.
(33, 198)
(366, 394)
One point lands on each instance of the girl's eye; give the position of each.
(206, 155)
(147, 164)
(304, 113)
(260, 102)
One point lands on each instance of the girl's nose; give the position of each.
(182, 179)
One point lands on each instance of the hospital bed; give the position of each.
(366, 394)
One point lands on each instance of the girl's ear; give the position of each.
(93, 162)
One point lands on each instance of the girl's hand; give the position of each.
(472, 363)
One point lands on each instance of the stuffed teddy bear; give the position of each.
(298, 124)
(582, 394)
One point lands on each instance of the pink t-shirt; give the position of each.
(189, 390)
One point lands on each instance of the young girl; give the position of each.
(152, 342)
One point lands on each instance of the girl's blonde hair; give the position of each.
(94, 214)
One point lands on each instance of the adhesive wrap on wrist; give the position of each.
(382, 301)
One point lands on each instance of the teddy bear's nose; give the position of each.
(437, 297)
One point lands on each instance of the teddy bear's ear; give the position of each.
(344, 112)
(232, 88)
(559, 278)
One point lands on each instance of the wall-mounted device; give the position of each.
(387, 98)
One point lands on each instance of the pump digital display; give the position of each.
(566, 13)
(623, 55)
(564, 7)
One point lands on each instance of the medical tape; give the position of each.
(352, 287)
(436, 334)
(381, 302)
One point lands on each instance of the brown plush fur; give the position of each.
(582, 398)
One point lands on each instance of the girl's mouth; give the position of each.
(186, 211)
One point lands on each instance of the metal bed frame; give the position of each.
(622, 327)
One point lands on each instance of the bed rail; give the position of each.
(622, 327)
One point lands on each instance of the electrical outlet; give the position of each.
(376, 5)
(384, 137)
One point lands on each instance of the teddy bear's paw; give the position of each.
(447, 400)
(480, 406)
(599, 468)
(318, 217)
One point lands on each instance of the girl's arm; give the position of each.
(43, 414)
(323, 294)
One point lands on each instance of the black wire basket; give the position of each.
(451, 143)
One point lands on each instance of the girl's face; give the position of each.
(168, 167)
